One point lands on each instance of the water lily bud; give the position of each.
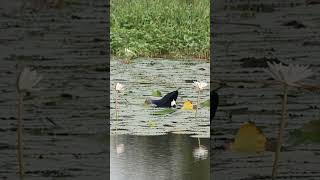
(119, 87)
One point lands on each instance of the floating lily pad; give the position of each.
(156, 93)
(205, 103)
(309, 133)
(164, 112)
(249, 139)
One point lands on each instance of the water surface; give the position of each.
(143, 76)
(157, 157)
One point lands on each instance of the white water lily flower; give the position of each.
(290, 75)
(200, 153)
(173, 103)
(200, 85)
(119, 87)
(27, 80)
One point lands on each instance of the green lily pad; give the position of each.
(309, 133)
(163, 112)
(156, 93)
(205, 103)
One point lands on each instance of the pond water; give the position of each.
(157, 158)
(141, 78)
(146, 146)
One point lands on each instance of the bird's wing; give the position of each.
(166, 100)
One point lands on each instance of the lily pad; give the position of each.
(249, 139)
(309, 133)
(205, 103)
(164, 112)
(156, 93)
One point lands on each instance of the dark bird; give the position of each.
(165, 101)
(214, 102)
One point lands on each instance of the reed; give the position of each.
(161, 28)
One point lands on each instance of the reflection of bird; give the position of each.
(214, 102)
(166, 101)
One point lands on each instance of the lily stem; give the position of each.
(116, 107)
(198, 102)
(20, 135)
(281, 131)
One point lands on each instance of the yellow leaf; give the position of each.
(187, 105)
(249, 139)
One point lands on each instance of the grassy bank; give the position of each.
(161, 28)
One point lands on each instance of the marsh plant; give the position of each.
(26, 81)
(290, 75)
(128, 56)
(161, 28)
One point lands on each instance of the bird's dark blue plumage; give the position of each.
(166, 100)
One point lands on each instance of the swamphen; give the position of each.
(165, 101)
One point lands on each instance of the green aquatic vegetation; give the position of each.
(205, 103)
(309, 133)
(161, 28)
(151, 123)
(164, 112)
(156, 93)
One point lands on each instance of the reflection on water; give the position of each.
(166, 157)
